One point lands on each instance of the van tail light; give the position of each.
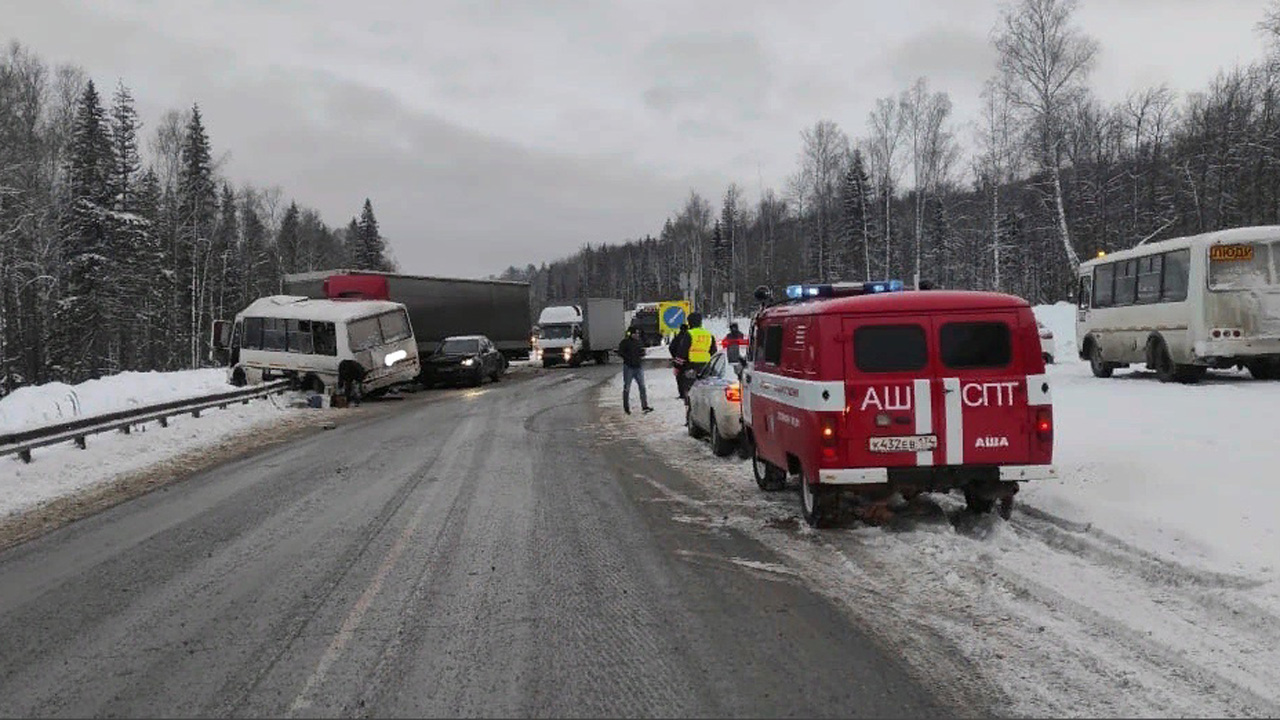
(830, 437)
(733, 393)
(1044, 425)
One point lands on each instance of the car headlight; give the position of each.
(568, 353)
(394, 357)
(468, 362)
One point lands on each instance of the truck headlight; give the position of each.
(468, 362)
(568, 353)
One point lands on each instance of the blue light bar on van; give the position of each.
(801, 292)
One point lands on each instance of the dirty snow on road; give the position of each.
(1141, 583)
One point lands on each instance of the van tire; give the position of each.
(238, 378)
(978, 504)
(817, 503)
(769, 477)
(1100, 368)
(720, 445)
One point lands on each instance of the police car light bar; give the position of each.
(801, 292)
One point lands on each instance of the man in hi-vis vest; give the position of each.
(701, 346)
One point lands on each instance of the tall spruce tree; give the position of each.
(372, 249)
(857, 200)
(197, 208)
(289, 238)
(81, 342)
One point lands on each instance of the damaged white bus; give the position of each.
(1185, 305)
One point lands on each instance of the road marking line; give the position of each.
(345, 633)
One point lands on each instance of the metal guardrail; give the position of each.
(22, 443)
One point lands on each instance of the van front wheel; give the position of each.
(817, 503)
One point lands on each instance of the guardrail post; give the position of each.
(25, 455)
(164, 421)
(126, 429)
(80, 443)
(195, 413)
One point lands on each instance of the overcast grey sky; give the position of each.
(496, 133)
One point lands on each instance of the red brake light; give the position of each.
(733, 393)
(829, 437)
(1044, 425)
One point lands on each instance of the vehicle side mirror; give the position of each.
(221, 339)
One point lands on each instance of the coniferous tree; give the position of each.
(857, 202)
(288, 239)
(372, 248)
(197, 209)
(82, 342)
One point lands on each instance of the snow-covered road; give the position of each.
(1141, 583)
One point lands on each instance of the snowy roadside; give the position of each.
(1141, 583)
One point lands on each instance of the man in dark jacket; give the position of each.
(733, 343)
(679, 349)
(632, 351)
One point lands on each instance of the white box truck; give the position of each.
(589, 328)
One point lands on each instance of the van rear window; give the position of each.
(976, 345)
(890, 348)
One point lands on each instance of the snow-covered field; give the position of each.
(1142, 582)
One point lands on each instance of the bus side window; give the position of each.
(253, 333)
(300, 337)
(1086, 292)
(1104, 285)
(1149, 273)
(1177, 265)
(1127, 283)
(324, 338)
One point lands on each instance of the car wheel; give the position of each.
(817, 503)
(720, 445)
(690, 425)
(769, 477)
(978, 504)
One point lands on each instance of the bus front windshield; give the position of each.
(1243, 267)
(557, 332)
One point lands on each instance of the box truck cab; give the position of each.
(574, 333)
(871, 389)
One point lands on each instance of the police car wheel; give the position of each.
(817, 503)
(690, 425)
(720, 445)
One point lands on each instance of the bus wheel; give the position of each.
(1167, 370)
(1101, 368)
(1264, 369)
(237, 378)
(769, 477)
(817, 503)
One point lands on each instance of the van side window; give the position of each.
(773, 345)
(1177, 265)
(976, 345)
(300, 337)
(1103, 287)
(274, 332)
(890, 348)
(363, 334)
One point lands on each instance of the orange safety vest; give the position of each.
(699, 345)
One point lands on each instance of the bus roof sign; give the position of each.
(1227, 253)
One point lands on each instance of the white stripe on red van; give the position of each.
(955, 421)
(924, 417)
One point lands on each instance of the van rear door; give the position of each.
(983, 370)
(891, 395)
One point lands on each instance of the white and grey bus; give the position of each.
(1184, 305)
(353, 347)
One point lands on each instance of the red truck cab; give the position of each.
(871, 389)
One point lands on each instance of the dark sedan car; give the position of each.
(463, 359)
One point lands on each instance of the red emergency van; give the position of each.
(872, 389)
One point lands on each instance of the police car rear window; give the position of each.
(976, 345)
(890, 348)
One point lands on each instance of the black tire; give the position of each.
(977, 504)
(817, 503)
(721, 446)
(769, 477)
(313, 383)
(547, 363)
(1100, 368)
(694, 430)
(1264, 369)
(496, 376)
(238, 378)
(1048, 359)
(1169, 371)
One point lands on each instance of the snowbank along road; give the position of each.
(491, 552)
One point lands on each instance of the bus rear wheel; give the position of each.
(1169, 371)
(1267, 369)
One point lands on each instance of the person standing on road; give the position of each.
(679, 349)
(701, 345)
(632, 351)
(733, 343)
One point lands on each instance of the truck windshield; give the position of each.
(1242, 267)
(557, 332)
(459, 347)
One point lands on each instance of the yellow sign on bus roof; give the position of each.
(1231, 252)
